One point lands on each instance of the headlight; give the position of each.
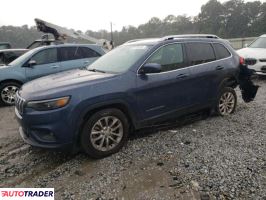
(49, 104)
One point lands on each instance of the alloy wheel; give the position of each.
(227, 103)
(8, 94)
(106, 133)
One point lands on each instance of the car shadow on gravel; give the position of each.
(174, 124)
(261, 78)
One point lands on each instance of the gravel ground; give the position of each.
(213, 158)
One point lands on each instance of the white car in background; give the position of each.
(255, 55)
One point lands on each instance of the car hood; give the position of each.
(257, 53)
(64, 80)
(2, 66)
(5, 69)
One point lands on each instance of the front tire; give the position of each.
(227, 101)
(104, 133)
(8, 92)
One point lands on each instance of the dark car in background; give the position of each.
(138, 84)
(4, 45)
(8, 55)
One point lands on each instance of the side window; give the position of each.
(67, 53)
(85, 52)
(34, 45)
(199, 53)
(170, 57)
(45, 56)
(2, 59)
(221, 51)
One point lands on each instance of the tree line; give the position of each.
(231, 19)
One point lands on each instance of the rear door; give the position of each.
(203, 69)
(224, 67)
(46, 63)
(67, 58)
(76, 57)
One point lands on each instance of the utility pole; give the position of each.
(112, 39)
(111, 31)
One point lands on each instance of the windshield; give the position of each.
(21, 58)
(120, 59)
(258, 43)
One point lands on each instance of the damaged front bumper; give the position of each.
(247, 87)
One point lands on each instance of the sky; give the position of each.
(96, 14)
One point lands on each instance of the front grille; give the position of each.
(263, 60)
(250, 61)
(19, 103)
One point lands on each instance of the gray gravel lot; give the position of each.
(213, 158)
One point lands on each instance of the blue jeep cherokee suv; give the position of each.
(138, 84)
(43, 61)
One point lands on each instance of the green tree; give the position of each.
(212, 18)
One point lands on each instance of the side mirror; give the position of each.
(31, 63)
(150, 68)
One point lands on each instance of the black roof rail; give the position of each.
(171, 37)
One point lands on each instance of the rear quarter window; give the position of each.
(221, 51)
(85, 52)
(199, 53)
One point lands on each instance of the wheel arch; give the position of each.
(117, 105)
(91, 110)
(229, 81)
(11, 80)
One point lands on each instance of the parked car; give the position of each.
(8, 55)
(136, 85)
(43, 61)
(4, 45)
(255, 55)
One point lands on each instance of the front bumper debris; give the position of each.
(247, 87)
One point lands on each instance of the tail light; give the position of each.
(241, 61)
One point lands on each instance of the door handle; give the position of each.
(219, 68)
(180, 76)
(55, 66)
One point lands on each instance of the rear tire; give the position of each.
(104, 133)
(227, 101)
(8, 92)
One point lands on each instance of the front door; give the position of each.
(46, 63)
(166, 92)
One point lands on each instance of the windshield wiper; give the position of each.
(96, 70)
